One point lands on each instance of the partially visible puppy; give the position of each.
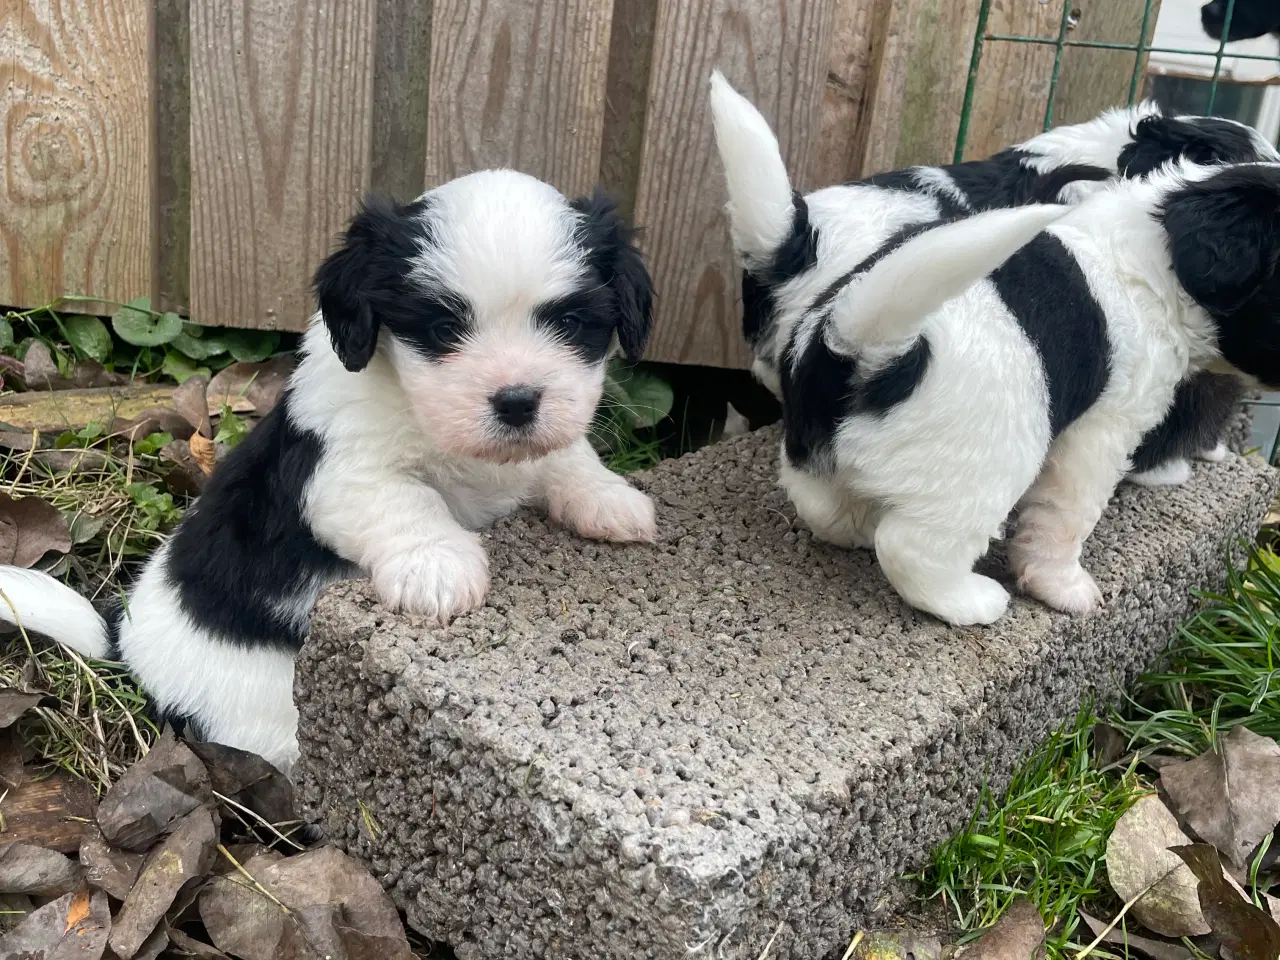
(936, 376)
(1249, 19)
(450, 375)
(1065, 165)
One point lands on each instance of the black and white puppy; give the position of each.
(449, 377)
(1249, 19)
(1064, 165)
(936, 376)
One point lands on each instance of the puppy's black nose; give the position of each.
(516, 406)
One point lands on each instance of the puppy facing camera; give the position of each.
(448, 378)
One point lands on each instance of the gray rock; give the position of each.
(639, 752)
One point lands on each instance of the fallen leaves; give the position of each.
(1230, 796)
(1017, 935)
(1249, 932)
(29, 529)
(186, 857)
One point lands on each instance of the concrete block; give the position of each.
(647, 753)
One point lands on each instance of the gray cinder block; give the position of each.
(657, 752)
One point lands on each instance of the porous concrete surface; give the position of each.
(684, 749)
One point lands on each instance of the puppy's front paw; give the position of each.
(1216, 455)
(1071, 590)
(613, 511)
(437, 578)
(1174, 473)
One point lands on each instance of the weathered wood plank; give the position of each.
(626, 96)
(75, 135)
(401, 73)
(518, 83)
(1012, 88)
(48, 813)
(857, 39)
(281, 106)
(920, 82)
(776, 53)
(172, 247)
(1094, 79)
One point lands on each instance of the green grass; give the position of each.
(1045, 837)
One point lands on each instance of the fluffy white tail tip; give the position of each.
(45, 606)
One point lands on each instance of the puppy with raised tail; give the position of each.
(449, 377)
(934, 377)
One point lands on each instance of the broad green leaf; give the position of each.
(200, 347)
(648, 398)
(90, 336)
(181, 367)
(6, 334)
(139, 325)
(251, 346)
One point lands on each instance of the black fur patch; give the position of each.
(1249, 19)
(821, 388)
(1158, 140)
(244, 547)
(1047, 187)
(794, 256)
(1202, 407)
(611, 251)
(1047, 293)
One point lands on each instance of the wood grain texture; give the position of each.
(1093, 79)
(48, 813)
(1012, 89)
(172, 247)
(776, 52)
(75, 138)
(857, 41)
(920, 82)
(626, 97)
(518, 83)
(281, 106)
(401, 73)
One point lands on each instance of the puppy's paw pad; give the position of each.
(1216, 455)
(615, 511)
(1071, 591)
(1172, 474)
(438, 579)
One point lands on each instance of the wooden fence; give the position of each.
(208, 151)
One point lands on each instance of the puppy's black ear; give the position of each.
(1224, 235)
(349, 281)
(610, 244)
(1157, 140)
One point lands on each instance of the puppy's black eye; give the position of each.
(434, 334)
(571, 324)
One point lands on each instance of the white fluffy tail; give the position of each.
(45, 606)
(886, 305)
(759, 207)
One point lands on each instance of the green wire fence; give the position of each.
(1140, 48)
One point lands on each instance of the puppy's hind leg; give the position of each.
(930, 564)
(1059, 512)
(834, 515)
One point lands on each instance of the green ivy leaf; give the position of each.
(6, 334)
(152, 444)
(90, 336)
(640, 397)
(199, 346)
(252, 346)
(181, 367)
(141, 326)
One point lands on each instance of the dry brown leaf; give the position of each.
(30, 528)
(13, 772)
(249, 780)
(185, 478)
(250, 387)
(89, 373)
(40, 370)
(14, 704)
(189, 947)
(1017, 935)
(77, 461)
(183, 856)
(1247, 930)
(1140, 865)
(106, 868)
(161, 788)
(312, 886)
(203, 452)
(1145, 946)
(78, 909)
(37, 871)
(156, 944)
(49, 934)
(153, 420)
(189, 400)
(1230, 796)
